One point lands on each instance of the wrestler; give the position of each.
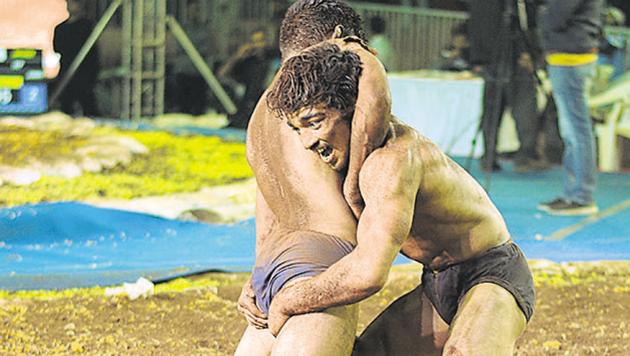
(303, 222)
(477, 291)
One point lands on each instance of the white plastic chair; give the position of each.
(616, 123)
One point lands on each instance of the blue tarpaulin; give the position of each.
(79, 245)
(70, 244)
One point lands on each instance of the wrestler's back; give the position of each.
(454, 218)
(301, 190)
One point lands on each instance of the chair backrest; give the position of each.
(623, 124)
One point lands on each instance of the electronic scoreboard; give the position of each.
(22, 86)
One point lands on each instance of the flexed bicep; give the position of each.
(370, 121)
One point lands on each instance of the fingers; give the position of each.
(247, 306)
(254, 320)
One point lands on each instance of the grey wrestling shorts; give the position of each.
(311, 255)
(504, 265)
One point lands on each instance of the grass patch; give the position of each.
(18, 145)
(175, 164)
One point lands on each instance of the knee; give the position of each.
(458, 348)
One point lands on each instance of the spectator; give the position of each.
(456, 57)
(517, 89)
(612, 48)
(69, 38)
(250, 67)
(380, 42)
(571, 30)
(186, 90)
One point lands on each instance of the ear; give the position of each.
(338, 32)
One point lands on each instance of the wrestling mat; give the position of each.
(69, 244)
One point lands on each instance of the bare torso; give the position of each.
(454, 219)
(301, 191)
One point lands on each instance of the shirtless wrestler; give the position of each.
(477, 292)
(303, 222)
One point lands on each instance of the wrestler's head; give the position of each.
(308, 22)
(316, 93)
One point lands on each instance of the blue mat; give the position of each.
(541, 235)
(70, 244)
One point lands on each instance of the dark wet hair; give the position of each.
(320, 75)
(308, 22)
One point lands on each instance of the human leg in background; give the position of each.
(521, 98)
(570, 89)
(494, 94)
(87, 99)
(553, 146)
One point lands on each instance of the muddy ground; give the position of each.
(582, 309)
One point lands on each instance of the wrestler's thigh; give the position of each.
(488, 322)
(408, 326)
(255, 342)
(331, 332)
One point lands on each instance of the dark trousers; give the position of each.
(518, 93)
(191, 94)
(81, 91)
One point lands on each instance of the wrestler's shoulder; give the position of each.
(397, 160)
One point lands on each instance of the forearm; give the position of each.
(342, 284)
(369, 124)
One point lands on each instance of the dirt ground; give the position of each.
(582, 309)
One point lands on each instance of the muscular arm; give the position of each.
(389, 185)
(369, 122)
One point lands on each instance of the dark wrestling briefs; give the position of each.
(311, 255)
(504, 265)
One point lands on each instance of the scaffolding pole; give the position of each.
(85, 49)
(201, 65)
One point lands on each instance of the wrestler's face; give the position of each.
(325, 131)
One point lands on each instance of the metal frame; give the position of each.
(417, 35)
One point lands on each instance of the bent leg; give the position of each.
(405, 327)
(255, 342)
(488, 322)
(331, 332)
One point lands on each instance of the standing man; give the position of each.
(502, 47)
(477, 291)
(571, 32)
(250, 67)
(70, 37)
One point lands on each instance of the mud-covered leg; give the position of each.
(331, 332)
(408, 326)
(488, 322)
(255, 342)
